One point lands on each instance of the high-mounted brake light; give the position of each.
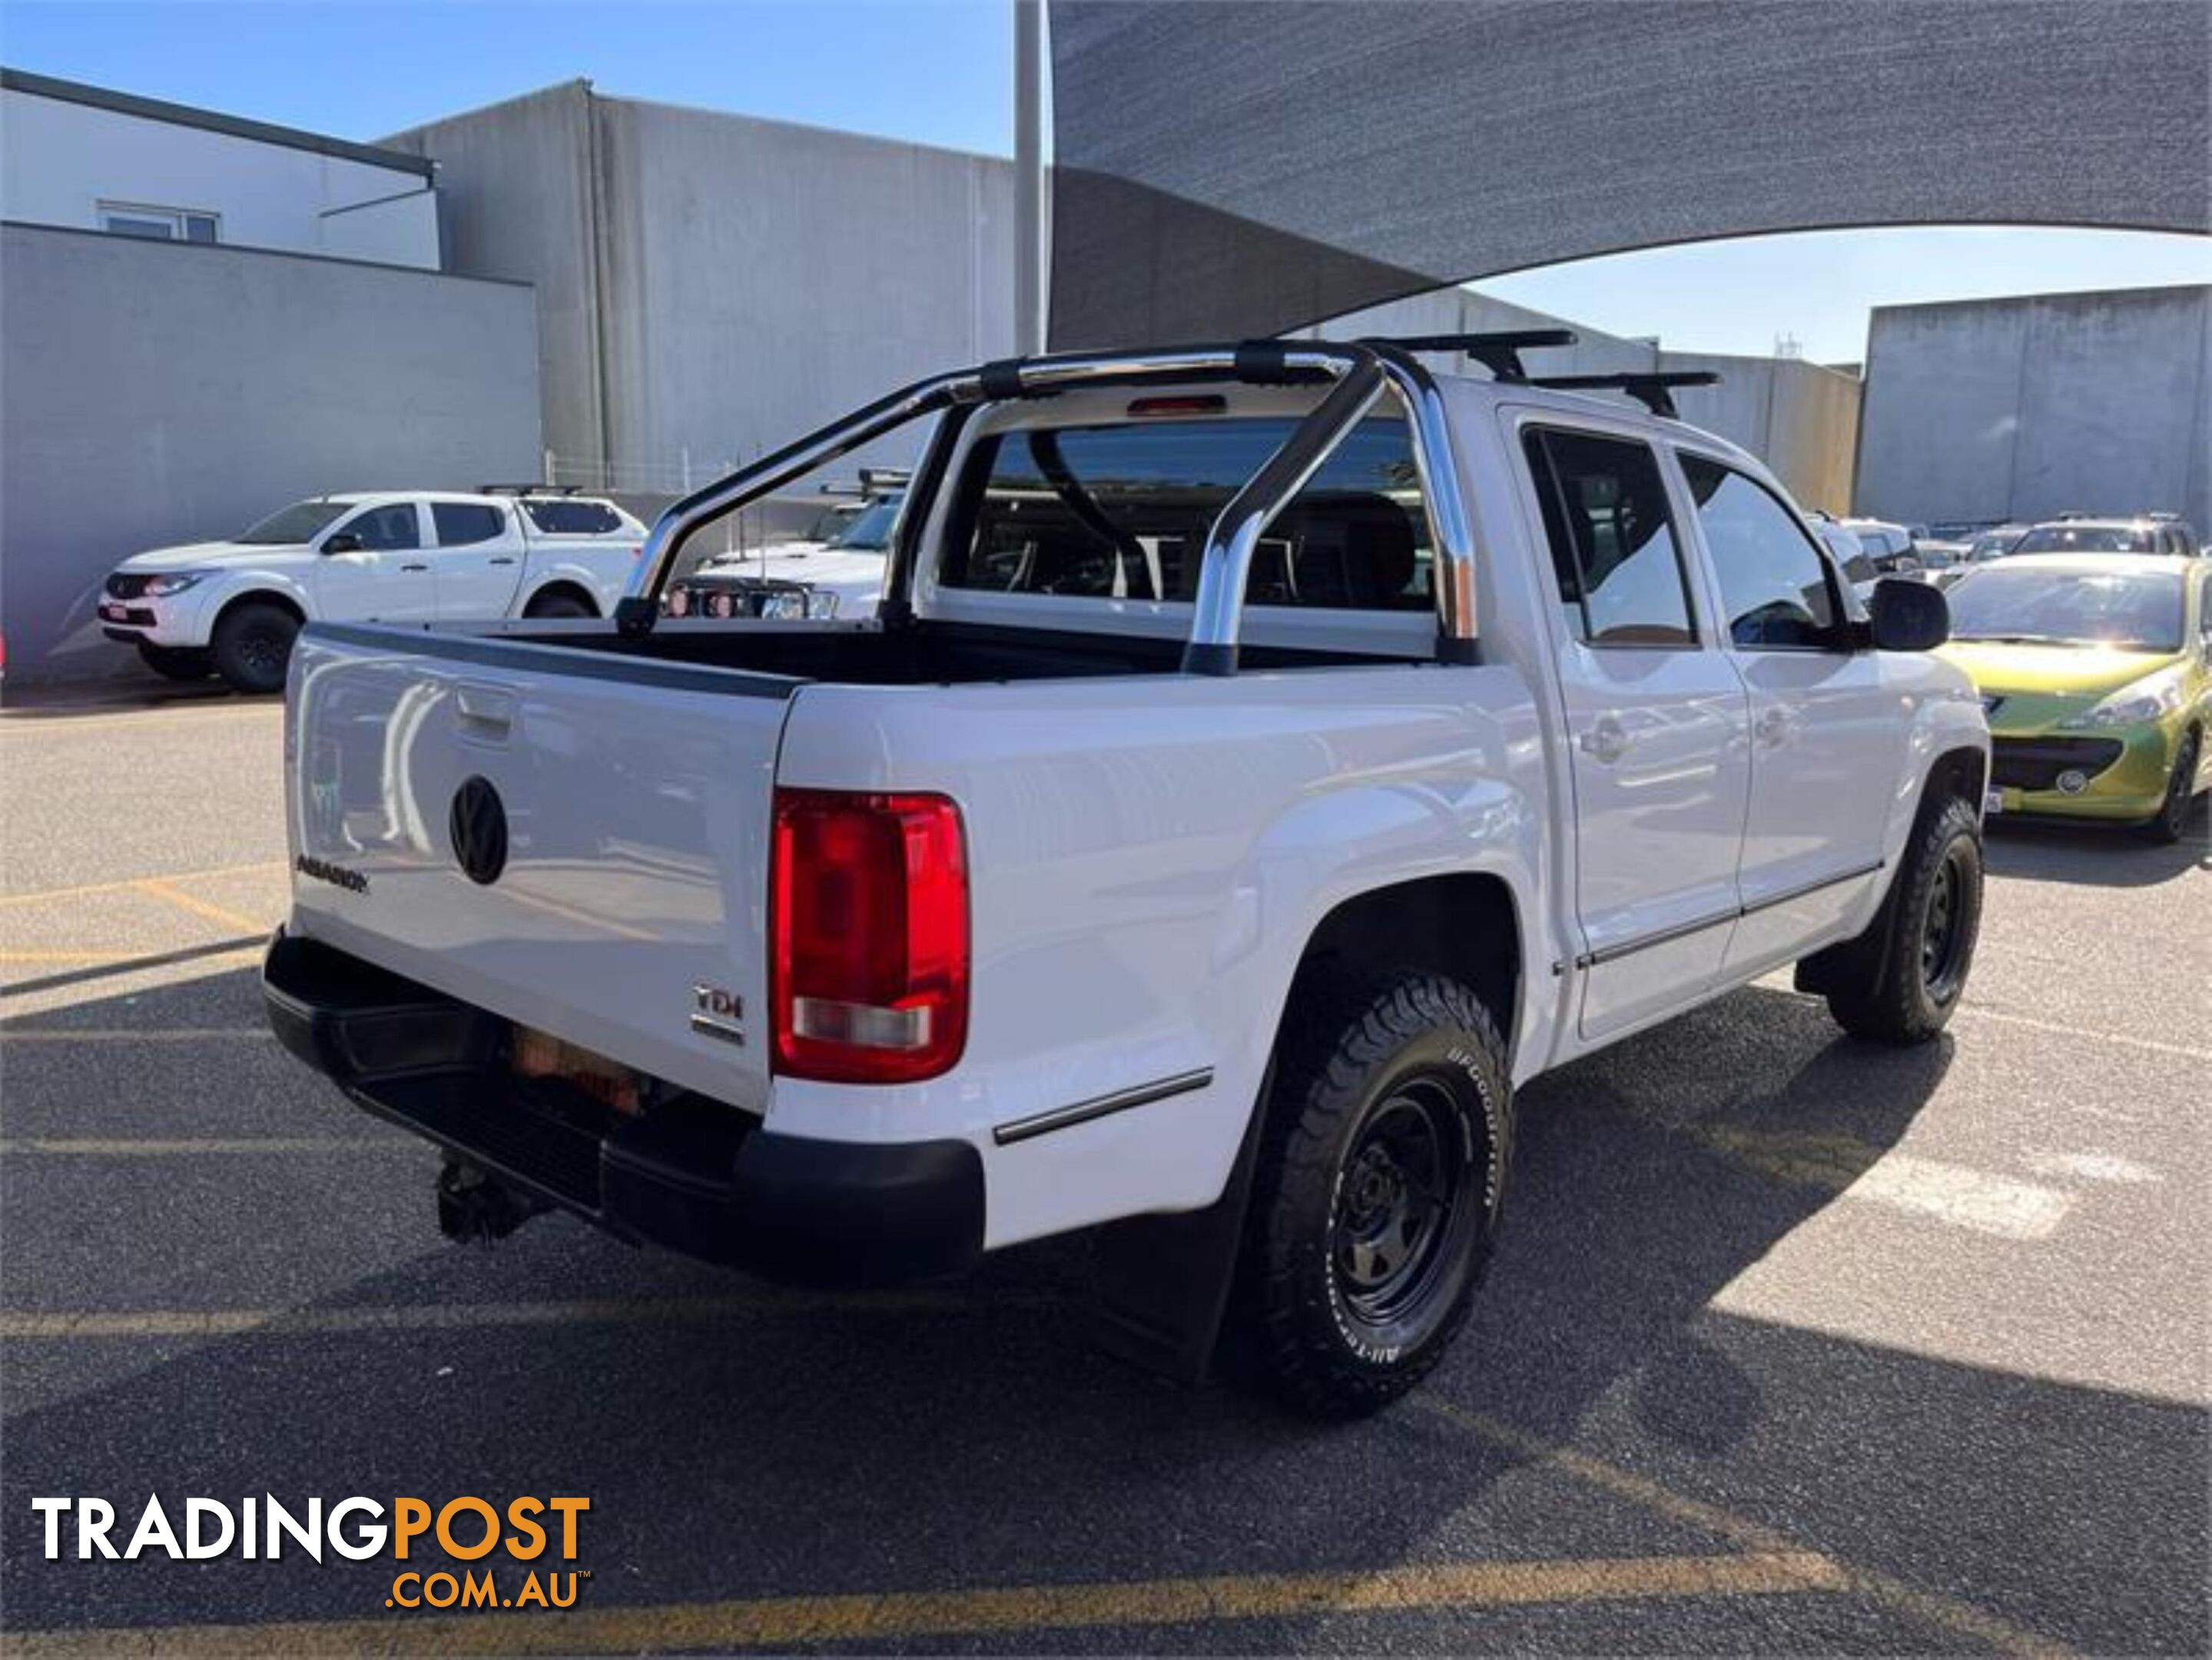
(1155, 407)
(871, 929)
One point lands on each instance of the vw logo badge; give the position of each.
(478, 826)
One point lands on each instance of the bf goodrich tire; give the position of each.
(252, 646)
(175, 662)
(1378, 1194)
(2173, 814)
(1902, 982)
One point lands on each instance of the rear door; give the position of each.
(634, 799)
(1827, 736)
(1657, 722)
(478, 561)
(387, 578)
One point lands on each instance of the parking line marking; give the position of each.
(91, 888)
(70, 1325)
(11, 1033)
(124, 1147)
(2059, 1029)
(783, 1622)
(155, 887)
(1959, 1617)
(106, 967)
(1859, 1170)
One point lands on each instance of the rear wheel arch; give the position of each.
(561, 589)
(1464, 926)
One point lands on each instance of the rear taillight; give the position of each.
(870, 927)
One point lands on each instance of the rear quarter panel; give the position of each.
(1148, 858)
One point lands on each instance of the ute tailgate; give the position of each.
(634, 799)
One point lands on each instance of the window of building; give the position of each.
(1614, 551)
(461, 523)
(1775, 585)
(160, 224)
(1121, 512)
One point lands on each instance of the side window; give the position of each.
(1774, 584)
(382, 529)
(461, 523)
(1612, 545)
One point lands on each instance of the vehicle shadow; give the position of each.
(2100, 855)
(971, 1436)
(121, 693)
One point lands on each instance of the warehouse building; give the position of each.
(1985, 410)
(201, 318)
(711, 285)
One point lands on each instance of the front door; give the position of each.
(1828, 745)
(1657, 726)
(385, 577)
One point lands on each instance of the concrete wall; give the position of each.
(717, 285)
(59, 160)
(1800, 418)
(157, 393)
(2025, 408)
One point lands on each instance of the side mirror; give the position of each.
(344, 542)
(1907, 616)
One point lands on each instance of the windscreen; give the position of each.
(2133, 610)
(1121, 512)
(302, 521)
(2085, 539)
(870, 532)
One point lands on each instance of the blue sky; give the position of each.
(939, 71)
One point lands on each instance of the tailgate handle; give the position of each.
(484, 711)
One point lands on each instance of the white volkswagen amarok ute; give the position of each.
(233, 608)
(1267, 757)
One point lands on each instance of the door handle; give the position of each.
(501, 559)
(1606, 742)
(414, 568)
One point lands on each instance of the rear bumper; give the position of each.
(689, 1174)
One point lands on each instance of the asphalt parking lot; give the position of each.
(1793, 1343)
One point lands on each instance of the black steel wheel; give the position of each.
(1899, 982)
(2172, 818)
(252, 645)
(1377, 1192)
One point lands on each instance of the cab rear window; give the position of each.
(1121, 512)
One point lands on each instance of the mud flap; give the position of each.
(1164, 1281)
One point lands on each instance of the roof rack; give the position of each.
(1499, 352)
(1654, 390)
(529, 490)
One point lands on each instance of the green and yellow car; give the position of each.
(2096, 671)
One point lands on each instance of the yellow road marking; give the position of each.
(782, 1622)
(45, 895)
(1959, 1618)
(17, 1325)
(156, 888)
(124, 1147)
(19, 1034)
(67, 956)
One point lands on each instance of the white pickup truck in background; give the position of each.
(1267, 758)
(233, 608)
(839, 575)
